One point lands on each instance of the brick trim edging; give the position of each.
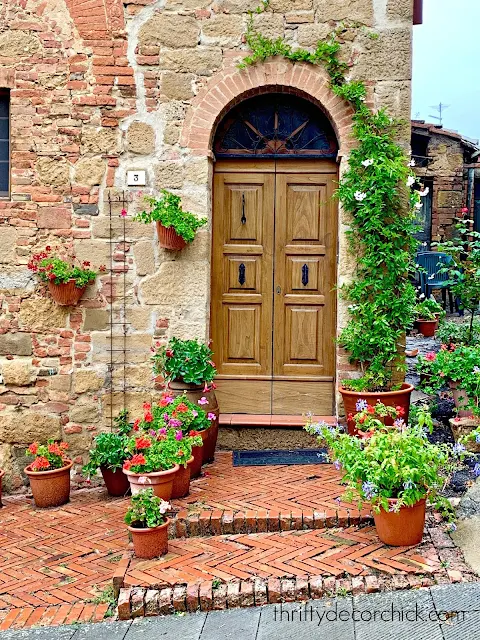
(138, 602)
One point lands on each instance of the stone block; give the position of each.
(144, 258)
(282, 6)
(97, 252)
(85, 209)
(17, 372)
(171, 133)
(179, 5)
(197, 171)
(53, 172)
(18, 44)
(140, 319)
(87, 412)
(101, 229)
(42, 314)
(177, 283)
(400, 10)
(236, 6)
(224, 29)
(166, 30)
(169, 175)
(133, 403)
(139, 376)
(386, 58)
(270, 25)
(96, 320)
(18, 279)
(141, 138)
(24, 427)
(449, 199)
(177, 86)
(54, 218)
(309, 34)
(98, 140)
(8, 241)
(201, 61)
(15, 344)
(90, 171)
(87, 380)
(358, 10)
(137, 345)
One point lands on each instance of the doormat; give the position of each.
(258, 458)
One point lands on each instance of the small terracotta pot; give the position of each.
(400, 398)
(168, 238)
(2, 473)
(50, 488)
(197, 455)
(116, 481)
(461, 400)
(427, 327)
(181, 482)
(160, 481)
(150, 543)
(402, 529)
(66, 294)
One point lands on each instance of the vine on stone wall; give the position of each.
(376, 191)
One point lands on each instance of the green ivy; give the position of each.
(374, 190)
(168, 211)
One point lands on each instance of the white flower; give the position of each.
(164, 506)
(410, 181)
(424, 244)
(418, 205)
(425, 192)
(367, 163)
(359, 196)
(411, 163)
(421, 296)
(143, 480)
(431, 277)
(417, 266)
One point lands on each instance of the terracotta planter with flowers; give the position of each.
(427, 327)
(116, 481)
(150, 543)
(160, 481)
(402, 528)
(168, 238)
(148, 524)
(181, 482)
(50, 488)
(66, 293)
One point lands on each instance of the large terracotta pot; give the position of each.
(181, 482)
(67, 293)
(461, 400)
(50, 488)
(2, 473)
(168, 238)
(160, 481)
(427, 327)
(402, 529)
(116, 481)
(400, 398)
(194, 392)
(197, 455)
(150, 543)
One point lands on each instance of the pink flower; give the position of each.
(123, 213)
(430, 356)
(178, 435)
(211, 416)
(162, 432)
(203, 400)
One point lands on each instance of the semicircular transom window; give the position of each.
(275, 125)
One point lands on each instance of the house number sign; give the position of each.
(136, 178)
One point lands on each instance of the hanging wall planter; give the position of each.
(66, 293)
(168, 238)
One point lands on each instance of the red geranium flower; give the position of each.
(136, 424)
(194, 433)
(400, 410)
(182, 407)
(142, 443)
(148, 417)
(138, 459)
(370, 409)
(33, 448)
(54, 449)
(40, 463)
(127, 464)
(169, 353)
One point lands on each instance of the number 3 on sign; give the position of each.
(136, 178)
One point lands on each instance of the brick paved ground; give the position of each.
(245, 535)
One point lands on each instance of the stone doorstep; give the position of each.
(204, 596)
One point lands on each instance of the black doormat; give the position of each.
(278, 456)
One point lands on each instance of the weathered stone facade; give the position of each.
(104, 86)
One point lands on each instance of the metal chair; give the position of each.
(430, 262)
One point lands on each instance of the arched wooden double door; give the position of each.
(273, 310)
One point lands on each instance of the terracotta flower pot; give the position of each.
(67, 293)
(461, 400)
(402, 529)
(2, 473)
(168, 238)
(427, 327)
(194, 392)
(400, 398)
(160, 481)
(50, 488)
(197, 455)
(181, 482)
(150, 543)
(116, 481)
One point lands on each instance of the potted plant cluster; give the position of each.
(394, 470)
(66, 278)
(108, 455)
(148, 524)
(370, 417)
(186, 367)
(427, 313)
(49, 473)
(175, 227)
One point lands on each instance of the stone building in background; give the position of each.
(93, 89)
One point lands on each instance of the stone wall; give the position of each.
(100, 87)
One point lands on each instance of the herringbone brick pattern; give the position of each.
(326, 552)
(55, 562)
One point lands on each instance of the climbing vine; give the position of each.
(376, 191)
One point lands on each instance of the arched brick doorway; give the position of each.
(274, 250)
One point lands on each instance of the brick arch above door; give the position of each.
(232, 85)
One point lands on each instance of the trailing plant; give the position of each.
(186, 360)
(48, 456)
(51, 268)
(376, 191)
(146, 510)
(168, 211)
(394, 462)
(109, 447)
(459, 333)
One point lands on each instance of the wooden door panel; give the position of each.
(305, 262)
(242, 289)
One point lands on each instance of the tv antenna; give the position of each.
(439, 108)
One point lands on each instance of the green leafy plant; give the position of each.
(459, 333)
(186, 360)
(146, 510)
(109, 447)
(394, 463)
(48, 456)
(168, 211)
(428, 309)
(180, 413)
(50, 268)
(371, 417)
(375, 191)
